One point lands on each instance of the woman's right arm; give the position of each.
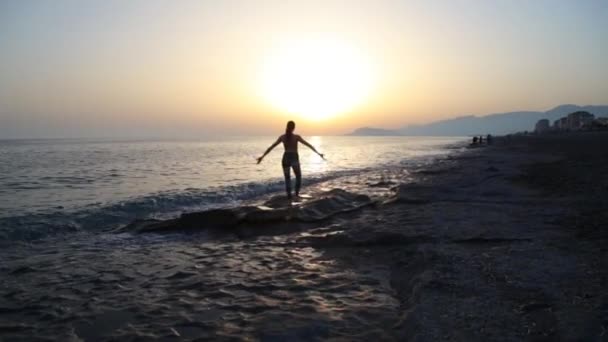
(270, 149)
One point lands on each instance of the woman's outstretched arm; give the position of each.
(300, 139)
(269, 149)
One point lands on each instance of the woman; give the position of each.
(290, 156)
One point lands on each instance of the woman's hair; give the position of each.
(289, 129)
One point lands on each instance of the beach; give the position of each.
(513, 244)
(504, 242)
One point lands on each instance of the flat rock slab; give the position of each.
(324, 206)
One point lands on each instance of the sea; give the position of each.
(67, 275)
(56, 186)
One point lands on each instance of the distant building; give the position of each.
(556, 125)
(578, 120)
(600, 123)
(542, 126)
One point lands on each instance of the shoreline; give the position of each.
(99, 216)
(480, 246)
(502, 243)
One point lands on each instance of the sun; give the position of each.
(316, 78)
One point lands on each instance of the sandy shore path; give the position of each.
(501, 243)
(505, 243)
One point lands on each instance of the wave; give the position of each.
(171, 204)
(165, 205)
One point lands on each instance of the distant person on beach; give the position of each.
(291, 159)
(489, 139)
(475, 140)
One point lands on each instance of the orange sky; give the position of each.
(156, 68)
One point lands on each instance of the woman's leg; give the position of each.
(298, 173)
(286, 173)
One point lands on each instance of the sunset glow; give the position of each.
(316, 79)
(200, 68)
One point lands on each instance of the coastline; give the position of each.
(497, 243)
(71, 196)
(503, 243)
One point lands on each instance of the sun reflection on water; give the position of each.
(314, 163)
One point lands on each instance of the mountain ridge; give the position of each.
(494, 123)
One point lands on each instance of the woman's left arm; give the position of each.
(300, 139)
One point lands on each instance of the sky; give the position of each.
(188, 69)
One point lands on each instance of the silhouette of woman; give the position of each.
(290, 156)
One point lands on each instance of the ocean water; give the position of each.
(67, 276)
(50, 186)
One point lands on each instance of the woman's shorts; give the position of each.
(290, 159)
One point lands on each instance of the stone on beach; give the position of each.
(326, 205)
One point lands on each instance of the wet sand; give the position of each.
(506, 243)
(502, 243)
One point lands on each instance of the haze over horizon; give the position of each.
(188, 69)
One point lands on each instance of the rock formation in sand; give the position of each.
(275, 210)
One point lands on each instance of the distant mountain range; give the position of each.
(500, 123)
